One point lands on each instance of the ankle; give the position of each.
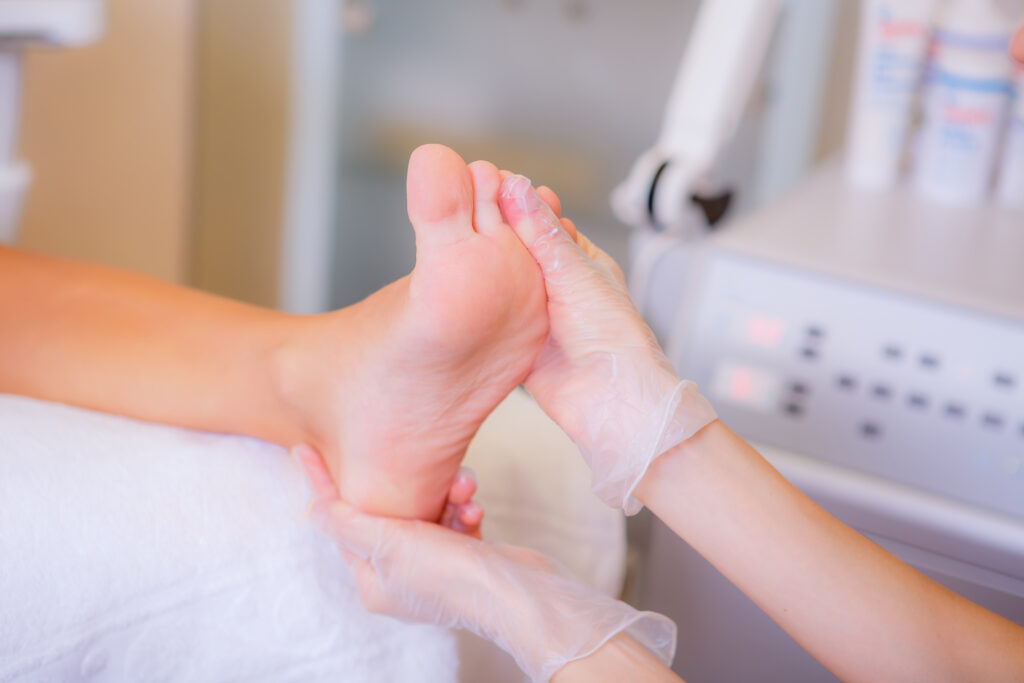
(296, 367)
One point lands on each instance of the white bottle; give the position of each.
(893, 51)
(1011, 174)
(967, 98)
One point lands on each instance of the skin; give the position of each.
(412, 371)
(463, 329)
(860, 611)
(620, 659)
(863, 613)
(100, 338)
(446, 579)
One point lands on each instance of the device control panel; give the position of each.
(920, 393)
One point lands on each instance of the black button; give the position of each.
(815, 331)
(928, 361)
(992, 420)
(881, 391)
(809, 353)
(955, 410)
(871, 430)
(1004, 380)
(892, 352)
(794, 409)
(919, 401)
(799, 388)
(846, 382)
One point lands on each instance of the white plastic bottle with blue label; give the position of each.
(1011, 173)
(893, 51)
(967, 98)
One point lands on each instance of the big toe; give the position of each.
(439, 188)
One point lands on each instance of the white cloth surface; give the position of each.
(139, 552)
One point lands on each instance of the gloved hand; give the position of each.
(518, 599)
(601, 375)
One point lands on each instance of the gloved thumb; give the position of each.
(537, 226)
(354, 532)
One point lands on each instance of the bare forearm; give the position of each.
(620, 659)
(860, 611)
(123, 343)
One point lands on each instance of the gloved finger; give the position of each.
(463, 518)
(551, 199)
(556, 205)
(321, 483)
(598, 255)
(537, 226)
(463, 487)
(350, 529)
(1017, 46)
(368, 584)
(449, 516)
(470, 517)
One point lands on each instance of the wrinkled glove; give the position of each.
(601, 375)
(518, 599)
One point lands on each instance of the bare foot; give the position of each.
(415, 368)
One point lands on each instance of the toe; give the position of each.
(551, 199)
(486, 184)
(440, 195)
(570, 228)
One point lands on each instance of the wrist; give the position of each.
(645, 412)
(684, 462)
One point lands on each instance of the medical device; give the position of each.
(871, 345)
(24, 24)
(674, 179)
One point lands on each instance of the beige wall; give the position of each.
(242, 116)
(108, 132)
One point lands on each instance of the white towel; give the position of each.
(138, 552)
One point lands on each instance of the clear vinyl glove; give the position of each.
(518, 599)
(601, 375)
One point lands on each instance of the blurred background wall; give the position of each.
(164, 148)
(108, 131)
(161, 148)
(242, 112)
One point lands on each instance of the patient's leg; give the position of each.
(415, 368)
